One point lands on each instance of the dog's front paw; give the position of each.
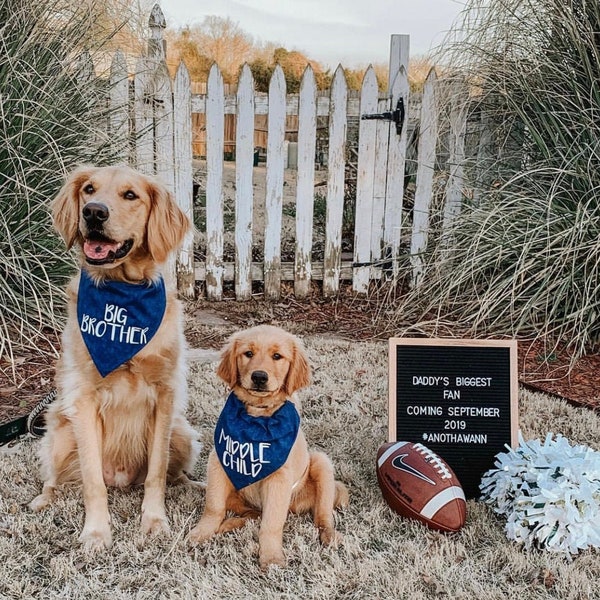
(95, 539)
(272, 558)
(155, 524)
(41, 502)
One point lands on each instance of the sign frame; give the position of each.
(437, 347)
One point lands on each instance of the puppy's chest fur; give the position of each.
(294, 472)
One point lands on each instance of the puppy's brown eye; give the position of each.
(130, 195)
(89, 189)
(277, 356)
(249, 353)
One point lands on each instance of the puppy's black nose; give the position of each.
(259, 378)
(95, 213)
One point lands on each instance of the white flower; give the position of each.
(549, 492)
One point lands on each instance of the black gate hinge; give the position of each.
(397, 116)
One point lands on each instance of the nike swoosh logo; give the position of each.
(398, 463)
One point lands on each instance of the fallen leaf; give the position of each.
(434, 584)
(548, 578)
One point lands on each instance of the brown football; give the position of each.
(417, 483)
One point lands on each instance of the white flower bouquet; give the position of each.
(549, 492)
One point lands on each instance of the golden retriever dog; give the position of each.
(119, 418)
(261, 463)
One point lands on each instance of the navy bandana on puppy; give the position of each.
(117, 319)
(252, 448)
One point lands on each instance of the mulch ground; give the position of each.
(29, 376)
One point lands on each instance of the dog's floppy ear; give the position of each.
(227, 369)
(65, 207)
(298, 376)
(167, 223)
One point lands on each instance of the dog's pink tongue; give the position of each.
(99, 250)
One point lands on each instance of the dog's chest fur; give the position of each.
(126, 399)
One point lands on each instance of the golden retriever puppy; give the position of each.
(119, 418)
(261, 463)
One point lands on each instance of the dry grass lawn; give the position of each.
(383, 556)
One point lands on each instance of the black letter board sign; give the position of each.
(458, 398)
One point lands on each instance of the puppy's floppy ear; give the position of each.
(65, 207)
(227, 369)
(298, 376)
(167, 223)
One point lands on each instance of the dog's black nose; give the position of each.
(95, 213)
(259, 377)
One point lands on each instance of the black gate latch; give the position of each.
(397, 116)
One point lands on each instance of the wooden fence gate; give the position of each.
(161, 113)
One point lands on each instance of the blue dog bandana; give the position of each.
(252, 448)
(117, 319)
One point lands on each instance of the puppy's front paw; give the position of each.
(95, 539)
(201, 533)
(155, 524)
(330, 537)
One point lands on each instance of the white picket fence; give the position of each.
(160, 114)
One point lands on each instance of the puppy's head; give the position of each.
(264, 363)
(115, 214)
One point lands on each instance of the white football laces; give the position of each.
(431, 457)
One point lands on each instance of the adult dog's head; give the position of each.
(118, 217)
(264, 366)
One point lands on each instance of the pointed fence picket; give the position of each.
(160, 117)
(118, 126)
(215, 103)
(382, 139)
(274, 198)
(305, 186)
(458, 129)
(144, 117)
(395, 168)
(184, 175)
(424, 187)
(244, 190)
(336, 162)
(164, 147)
(367, 137)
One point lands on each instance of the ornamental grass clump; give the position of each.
(524, 257)
(49, 121)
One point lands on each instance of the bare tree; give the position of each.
(216, 39)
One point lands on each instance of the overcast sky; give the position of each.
(351, 32)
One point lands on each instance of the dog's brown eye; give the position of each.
(249, 353)
(129, 195)
(277, 356)
(89, 189)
